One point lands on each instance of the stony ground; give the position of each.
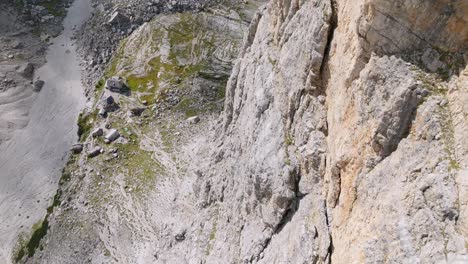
(332, 131)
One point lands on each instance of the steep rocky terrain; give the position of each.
(342, 139)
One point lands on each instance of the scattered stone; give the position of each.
(116, 84)
(97, 132)
(102, 112)
(108, 103)
(38, 84)
(144, 102)
(112, 135)
(76, 148)
(137, 111)
(118, 18)
(108, 100)
(443, 102)
(193, 119)
(17, 45)
(94, 152)
(180, 236)
(431, 61)
(26, 70)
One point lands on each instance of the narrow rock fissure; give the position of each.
(330, 248)
(326, 55)
(288, 214)
(324, 76)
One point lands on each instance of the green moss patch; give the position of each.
(55, 7)
(85, 124)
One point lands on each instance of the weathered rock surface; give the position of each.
(112, 135)
(38, 84)
(342, 140)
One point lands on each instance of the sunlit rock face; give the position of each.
(341, 139)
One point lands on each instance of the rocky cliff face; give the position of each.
(342, 140)
(346, 135)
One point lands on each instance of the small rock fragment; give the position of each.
(94, 152)
(118, 18)
(180, 235)
(137, 111)
(97, 132)
(102, 112)
(76, 148)
(193, 119)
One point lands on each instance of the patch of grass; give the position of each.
(272, 61)
(454, 165)
(138, 165)
(37, 236)
(187, 106)
(141, 169)
(213, 231)
(100, 85)
(453, 62)
(39, 230)
(116, 60)
(55, 7)
(85, 124)
(288, 140)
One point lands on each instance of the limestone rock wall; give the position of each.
(342, 140)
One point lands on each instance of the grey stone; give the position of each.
(38, 84)
(137, 111)
(193, 119)
(26, 70)
(180, 235)
(112, 135)
(102, 112)
(118, 18)
(76, 148)
(116, 84)
(94, 152)
(97, 132)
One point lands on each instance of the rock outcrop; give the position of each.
(342, 140)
